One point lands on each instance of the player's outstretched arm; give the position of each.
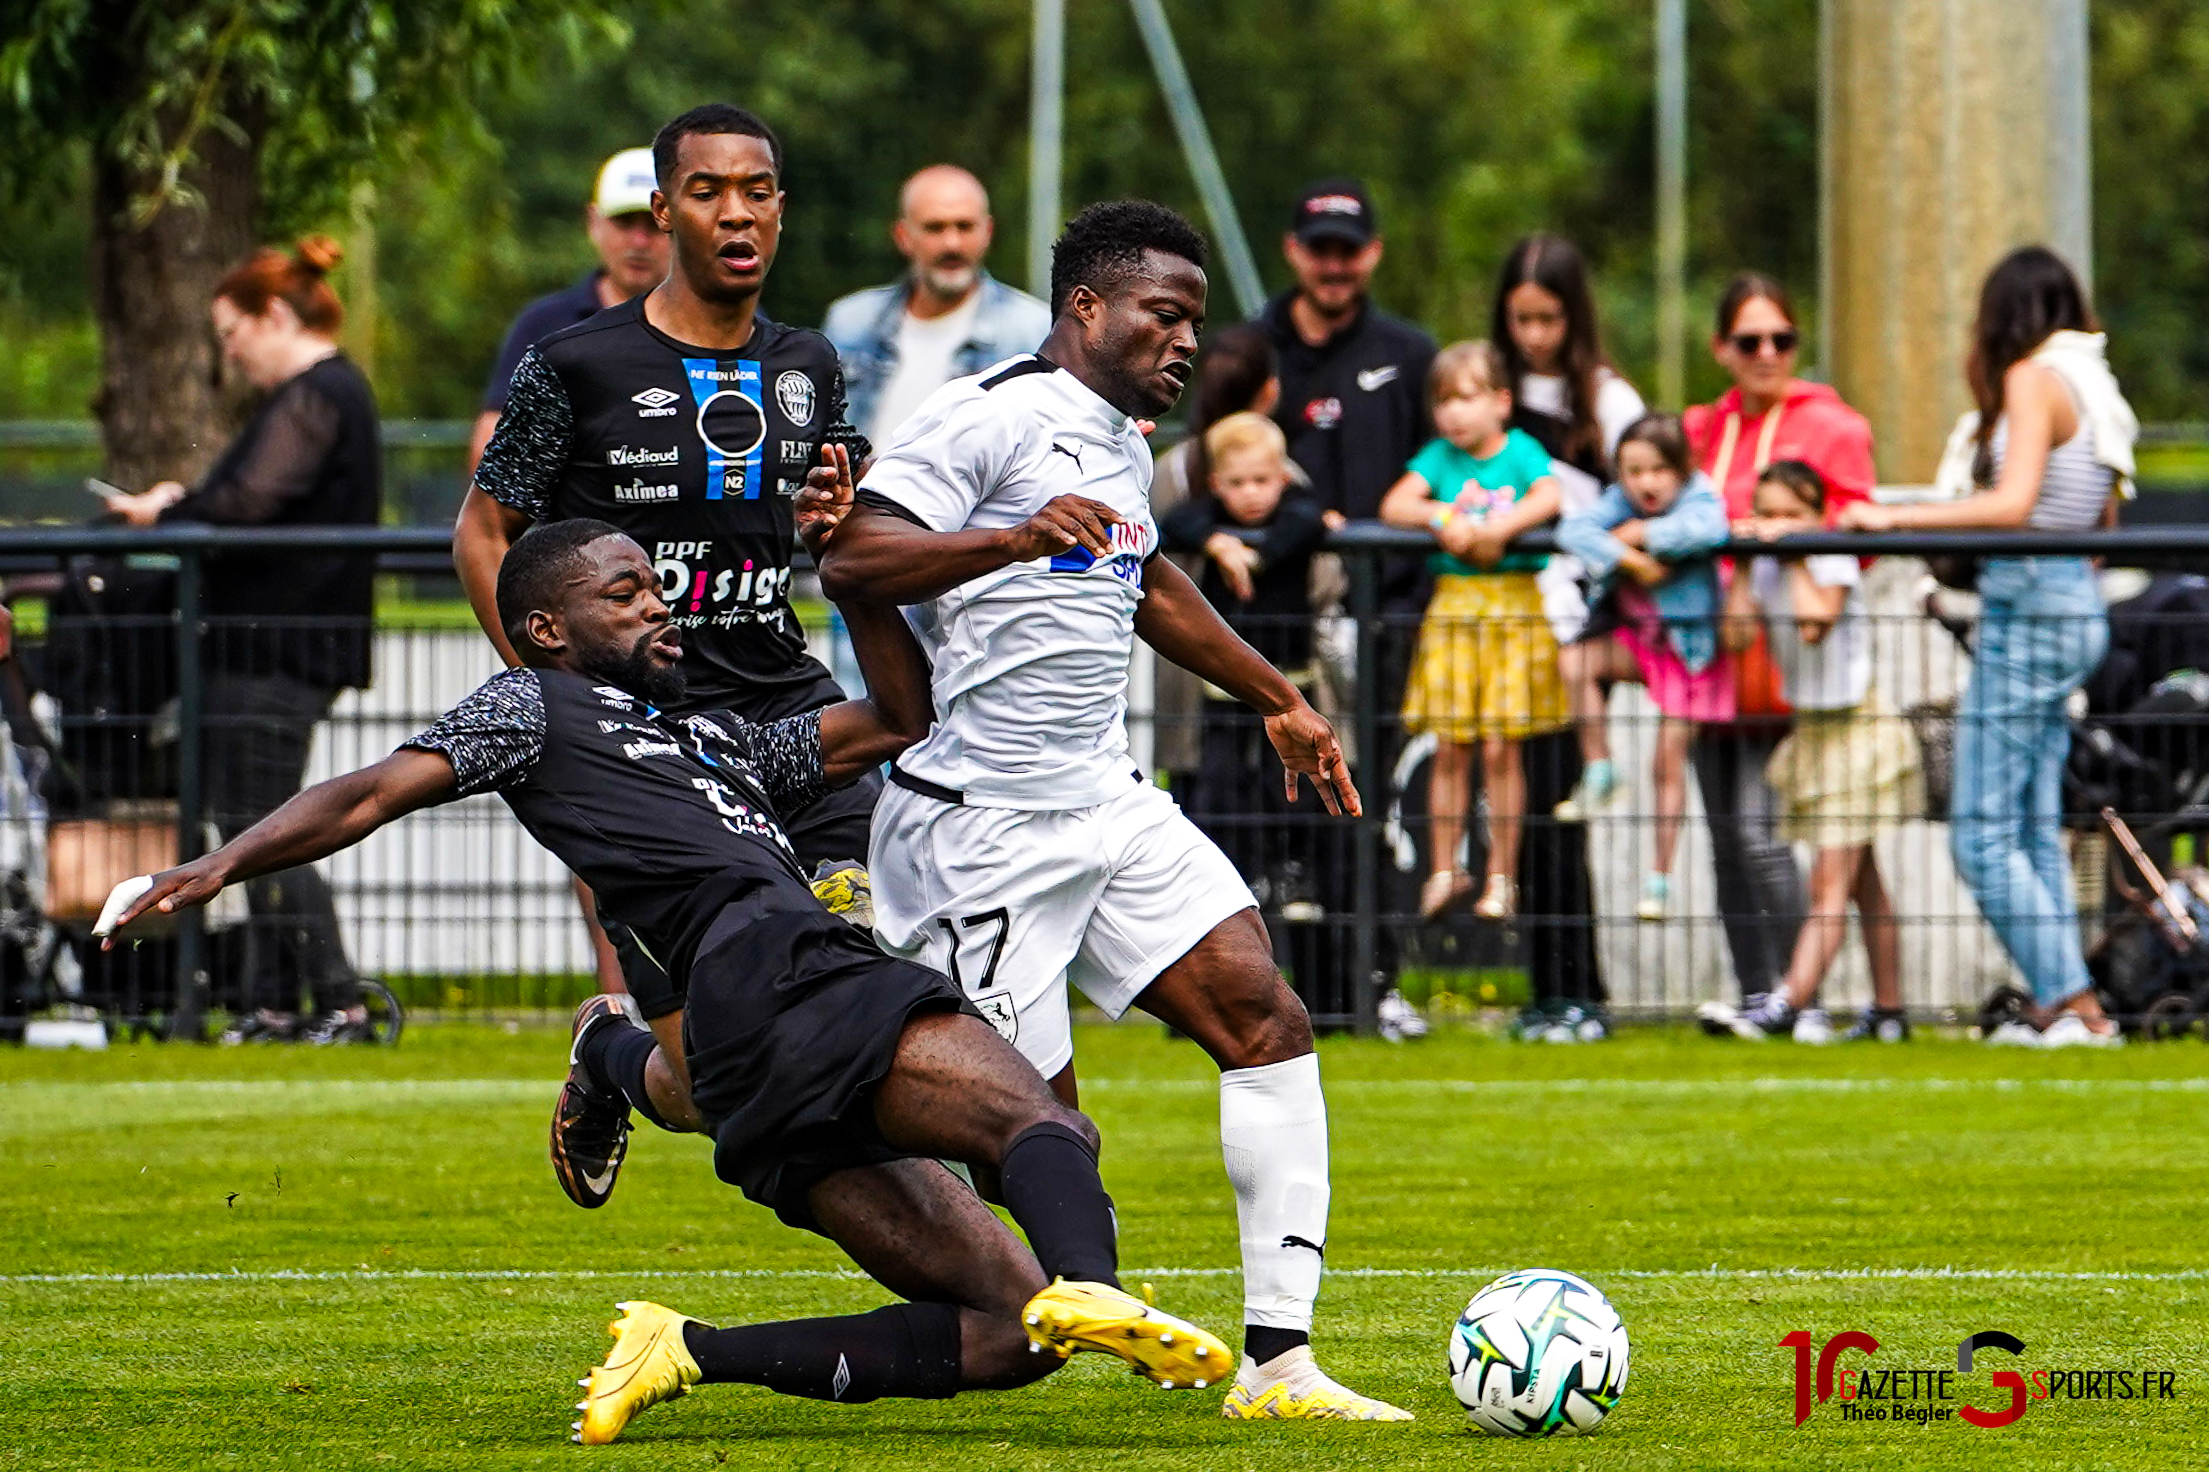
(1175, 620)
(316, 823)
(881, 556)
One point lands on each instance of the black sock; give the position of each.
(1051, 1188)
(615, 1055)
(1261, 1344)
(908, 1349)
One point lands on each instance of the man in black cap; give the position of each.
(1353, 379)
(1354, 407)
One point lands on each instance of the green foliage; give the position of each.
(2151, 200)
(1474, 122)
(1722, 1195)
(330, 85)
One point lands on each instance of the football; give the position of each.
(1538, 1353)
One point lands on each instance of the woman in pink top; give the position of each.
(1769, 414)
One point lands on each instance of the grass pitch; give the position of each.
(284, 1258)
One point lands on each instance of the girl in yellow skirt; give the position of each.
(1847, 773)
(1485, 672)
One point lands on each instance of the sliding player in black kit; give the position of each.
(689, 420)
(835, 1079)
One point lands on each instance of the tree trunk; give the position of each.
(163, 409)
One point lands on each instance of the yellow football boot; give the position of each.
(843, 886)
(1175, 1353)
(1292, 1387)
(649, 1363)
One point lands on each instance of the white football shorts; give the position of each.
(1015, 905)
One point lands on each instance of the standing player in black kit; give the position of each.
(688, 420)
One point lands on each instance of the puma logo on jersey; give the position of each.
(1370, 379)
(1292, 1240)
(1071, 452)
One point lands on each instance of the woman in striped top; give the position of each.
(2053, 452)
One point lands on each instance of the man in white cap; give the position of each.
(632, 258)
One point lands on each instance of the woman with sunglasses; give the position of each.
(1769, 414)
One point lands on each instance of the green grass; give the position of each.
(1723, 1196)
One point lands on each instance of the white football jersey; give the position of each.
(1031, 661)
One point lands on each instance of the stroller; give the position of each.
(2136, 790)
(87, 782)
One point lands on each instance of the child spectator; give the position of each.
(1261, 590)
(1846, 773)
(1486, 666)
(1659, 527)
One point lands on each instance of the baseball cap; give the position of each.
(625, 185)
(1334, 209)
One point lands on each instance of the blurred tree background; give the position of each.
(1473, 120)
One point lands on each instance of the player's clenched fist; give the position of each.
(1064, 522)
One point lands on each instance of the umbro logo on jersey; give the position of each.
(1370, 379)
(1071, 452)
(654, 403)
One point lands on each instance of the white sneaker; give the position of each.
(2014, 1034)
(1593, 793)
(2070, 1031)
(1400, 1021)
(1813, 1027)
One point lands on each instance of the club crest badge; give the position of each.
(794, 395)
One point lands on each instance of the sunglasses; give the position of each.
(1749, 344)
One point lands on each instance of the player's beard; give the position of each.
(639, 674)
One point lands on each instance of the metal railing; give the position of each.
(461, 910)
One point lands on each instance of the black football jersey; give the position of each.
(696, 453)
(670, 819)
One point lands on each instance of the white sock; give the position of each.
(1273, 1133)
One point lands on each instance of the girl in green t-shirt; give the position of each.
(1485, 672)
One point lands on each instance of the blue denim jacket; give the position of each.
(863, 326)
(1690, 600)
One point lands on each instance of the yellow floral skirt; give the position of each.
(1486, 665)
(1846, 776)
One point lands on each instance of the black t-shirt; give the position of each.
(696, 453)
(311, 455)
(1277, 621)
(669, 819)
(533, 324)
(1354, 409)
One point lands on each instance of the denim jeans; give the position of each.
(2042, 632)
(1761, 900)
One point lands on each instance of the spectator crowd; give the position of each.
(1495, 665)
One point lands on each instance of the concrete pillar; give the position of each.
(1950, 131)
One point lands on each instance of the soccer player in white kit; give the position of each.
(1018, 848)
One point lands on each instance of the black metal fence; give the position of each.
(110, 723)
